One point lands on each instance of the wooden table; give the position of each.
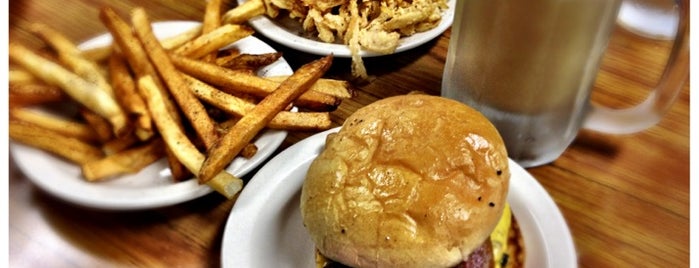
(625, 198)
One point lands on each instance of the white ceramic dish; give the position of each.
(286, 32)
(264, 228)
(153, 186)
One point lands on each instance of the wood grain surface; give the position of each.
(625, 198)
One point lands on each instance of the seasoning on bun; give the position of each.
(408, 181)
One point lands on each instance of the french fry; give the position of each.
(33, 94)
(305, 121)
(250, 61)
(332, 87)
(248, 151)
(212, 16)
(72, 149)
(301, 121)
(271, 9)
(175, 41)
(191, 107)
(247, 128)
(211, 21)
(226, 125)
(213, 41)
(228, 52)
(82, 91)
(124, 162)
(21, 77)
(70, 55)
(128, 43)
(127, 95)
(178, 170)
(247, 83)
(223, 182)
(119, 144)
(101, 127)
(55, 39)
(244, 12)
(97, 54)
(63, 126)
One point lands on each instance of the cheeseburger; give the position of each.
(411, 181)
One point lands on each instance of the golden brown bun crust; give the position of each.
(409, 181)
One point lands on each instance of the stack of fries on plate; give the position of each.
(141, 99)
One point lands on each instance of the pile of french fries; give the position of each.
(140, 99)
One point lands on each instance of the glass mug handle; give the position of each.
(649, 112)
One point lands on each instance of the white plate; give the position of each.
(286, 31)
(153, 186)
(264, 228)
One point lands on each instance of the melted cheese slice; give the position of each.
(499, 236)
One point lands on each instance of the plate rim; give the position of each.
(150, 197)
(549, 230)
(267, 27)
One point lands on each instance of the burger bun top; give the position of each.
(408, 181)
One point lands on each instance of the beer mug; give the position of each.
(529, 66)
